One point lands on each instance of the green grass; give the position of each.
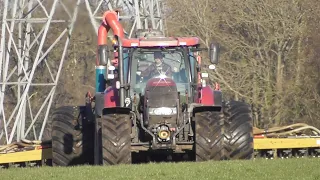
(256, 169)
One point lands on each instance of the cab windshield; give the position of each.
(150, 63)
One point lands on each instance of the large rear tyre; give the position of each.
(72, 137)
(116, 139)
(238, 131)
(226, 135)
(208, 136)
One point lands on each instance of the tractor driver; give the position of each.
(158, 67)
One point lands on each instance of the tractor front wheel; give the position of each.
(116, 139)
(208, 136)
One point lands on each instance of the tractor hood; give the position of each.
(161, 82)
(161, 92)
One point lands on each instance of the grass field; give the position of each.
(287, 169)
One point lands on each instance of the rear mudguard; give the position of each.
(197, 107)
(101, 109)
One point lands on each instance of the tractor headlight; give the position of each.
(162, 111)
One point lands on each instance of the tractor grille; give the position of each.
(162, 96)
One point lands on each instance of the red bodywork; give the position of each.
(110, 21)
(159, 42)
(206, 96)
(111, 97)
(160, 82)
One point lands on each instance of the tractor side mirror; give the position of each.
(214, 53)
(103, 53)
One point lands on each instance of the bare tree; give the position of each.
(264, 49)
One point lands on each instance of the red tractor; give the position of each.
(151, 100)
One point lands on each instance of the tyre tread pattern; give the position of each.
(238, 131)
(226, 135)
(209, 137)
(68, 141)
(116, 139)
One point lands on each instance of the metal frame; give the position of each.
(24, 57)
(21, 36)
(139, 14)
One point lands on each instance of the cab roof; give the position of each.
(160, 42)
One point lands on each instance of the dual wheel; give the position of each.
(225, 135)
(73, 138)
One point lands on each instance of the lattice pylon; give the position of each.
(35, 35)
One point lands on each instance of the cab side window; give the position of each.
(192, 65)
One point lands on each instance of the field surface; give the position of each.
(257, 169)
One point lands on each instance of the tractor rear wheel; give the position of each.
(208, 136)
(116, 139)
(72, 137)
(238, 131)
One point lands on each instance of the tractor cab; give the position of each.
(156, 58)
(161, 64)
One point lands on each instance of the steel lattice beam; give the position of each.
(29, 73)
(137, 14)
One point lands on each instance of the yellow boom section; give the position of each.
(26, 156)
(295, 140)
(286, 143)
(25, 151)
